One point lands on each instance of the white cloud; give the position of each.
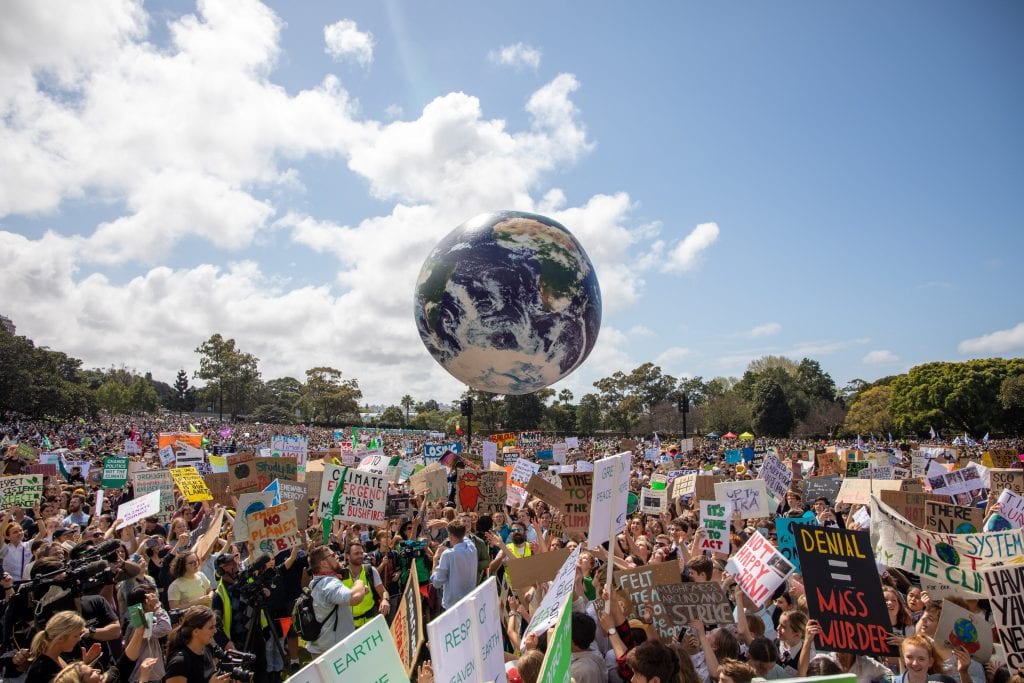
(823, 348)
(766, 330)
(669, 359)
(345, 41)
(641, 331)
(518, 56)
(999, 341)
(686, 254)
(880, 357)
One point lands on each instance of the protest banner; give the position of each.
(785, 536)
(558, 658)
(363, 497)
(759, 568)
(23, 490)
(191, 484)
(524, 572)
(522, 471)
(1001, 458)
(248, 504)
(962, 628)
(653, 502)
(952, 519)
(331, 476)
(242, 472)
(714, 517)
(545, 454)
(44, 470)
(115, 473)
(503, 439)
(431, 482)
(380, 464)
(1007, 479)
(166, 455)
(560, 588)
(171, 439)
(883, 472)
(1011, 508)
(274, 529)
(910, 504)
(407, 626)
(398, 504)
(859, 491)
(777, 477)
(854, 468)
(642, 587)
(842, 594)
(298, 494)
(137, 509)
(269, 469)
(827, 465)
(705, 601)
(369, 654)
(190, 457)
(146, 481)
(577, 491)
(609, 498)
(284, 446)
(748, 499)
(480, 491)
(549, 493)
(465, 641)
(1004, 588)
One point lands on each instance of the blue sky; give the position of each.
(820, 179)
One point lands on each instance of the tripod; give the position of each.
(259, 613)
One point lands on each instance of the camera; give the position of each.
(251, 582)
(235, 663)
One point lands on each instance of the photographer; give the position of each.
(236, 602)
(189, 656)
(147, 615)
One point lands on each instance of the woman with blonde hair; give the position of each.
(62, 633)
(920, 659)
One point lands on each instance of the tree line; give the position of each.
(776, 396)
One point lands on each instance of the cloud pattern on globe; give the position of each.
(508, 303)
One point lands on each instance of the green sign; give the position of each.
(115, 473)
(632, 503)
(555, 668)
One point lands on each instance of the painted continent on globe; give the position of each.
(508, 303)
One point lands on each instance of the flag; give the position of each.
(192, 428)
(860, 443)
(657, 441)
(931, 432)
(458, 429)
(448, 459)
(890, 437)
(225, 433)
(956, 441)
(286, 624)
(984, 439)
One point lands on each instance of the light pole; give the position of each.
(684, 407)
(467, 411)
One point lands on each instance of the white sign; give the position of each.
(465, 641)
(714, 517)
(749, 499)
(490, 453)
(572, 441)
(522, 471)
(777, 477)
(1011, 507)
(759, 568)
(166, 456)
(559, 451)
(609, 498)
(653, 501)
(369, 654)
(192, 457)
(138, 509)
(547, 614)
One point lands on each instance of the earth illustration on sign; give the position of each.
(508, 303)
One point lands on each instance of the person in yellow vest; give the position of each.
(517, 548)
(356, 569)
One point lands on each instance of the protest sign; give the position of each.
(248, 504)
(190, 457)
(138, 509)
(146, 481)
(884, 472)
(190, 484)
(208, 536)
(44, 470)
(1001, 458)
(821, 487)
(504, 439)
(282, 446)
(274, 529)
(642, 587)
(577, 491)
(777, 477)
(748, 499)
(609, 498)
(962, 628)
(785, 535)
(1007, 479)
(219, 486)
(705, 487)
(480, 491)
(714, 517)
(952, 519)
(407, 626)
(827, 465)
(558, 658)
(1011, 508)
(759, 568)
(1004, 587)
(549, 493)
(653, 502)
(23, 490)
(561, 587)
(838, 570)
(242, 472)
(298, 494)
(331, 476)
(684, 485)
(363, 497)
(430, 481)
(465, 641)
(522, 471)
(166, 455)
(368, 654)
(859, 491)
(490, 452)
(524, 572)
(705, 601)
(115, 473)
(269, 469)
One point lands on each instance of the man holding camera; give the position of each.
(332, 599)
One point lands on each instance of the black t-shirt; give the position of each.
(43, 670)
(195, 668)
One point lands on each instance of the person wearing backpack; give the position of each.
(332, 602)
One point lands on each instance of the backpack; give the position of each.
(304, 620)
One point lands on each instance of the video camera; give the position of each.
(251, 582)
(91, 570)
(237, 664)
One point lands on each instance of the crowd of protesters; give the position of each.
(172, 608)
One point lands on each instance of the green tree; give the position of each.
(869, 413)
(279, 396)
(771, 413)
(327, 398)
(803, 384)
(179, 400)
(488, 408)
(113, 397)
(725, 412)
(588, 415)
(39, 382)
(392, 415)
(142, 397)
(824, 420)
(1011, 392)
(625, 398)
(232, 373)
(523, 411)
(407, 402)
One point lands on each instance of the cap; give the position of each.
(57, 533)
(224, 558)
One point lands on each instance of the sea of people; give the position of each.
(88, 598)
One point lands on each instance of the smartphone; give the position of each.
(136, 616)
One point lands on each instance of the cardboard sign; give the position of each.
(363, 497)
(431, 481)
(249, 504)
(1011, 508)
(749, 499)
(859, 491)
(961, 628)
(705, 601)
(297, 493)
(561, 588)
(759, 569)
(705, 488)
(407, 626)
(953, 519)
(684, 485)
(137, 509)
(828, 465)
(714, 517)
(1007, 479)
(219, 488)
(269, 469)
(480, 491)
(242, 472)
(909, 504)
(274, 529)
(1002, 458)
(1004, 587)
(23, 490)
(465, 641)
(777, 477)
(653, 502)
(548, 492)
(577, 489)
(643, 585)
(146, 481)
(524, 572)
(609, 498)
(190, 484)
(331, 476)
(115, 473)
(838, 569)
(522, 471)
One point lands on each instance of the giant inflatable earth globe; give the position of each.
(508, 303)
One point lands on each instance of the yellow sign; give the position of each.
(190, 484)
